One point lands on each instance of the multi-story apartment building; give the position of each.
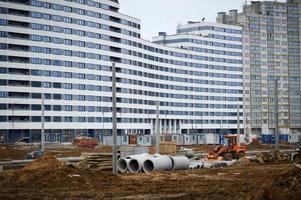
(64, 50)
(271, 51)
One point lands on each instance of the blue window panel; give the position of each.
(3, 70)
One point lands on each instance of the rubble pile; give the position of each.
(267, 157)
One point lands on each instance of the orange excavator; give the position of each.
(228, 151)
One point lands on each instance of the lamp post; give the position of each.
(114, 119)
(276, 116)
(43, 124)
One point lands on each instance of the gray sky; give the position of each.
(164, 15)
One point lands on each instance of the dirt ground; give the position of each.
(57, 181)
(251, 147)
(9, 152)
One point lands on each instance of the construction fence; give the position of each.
(150, 140)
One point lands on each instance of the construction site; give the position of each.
(194, 172)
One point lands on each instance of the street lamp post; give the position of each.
(114, 119)
(43, 124)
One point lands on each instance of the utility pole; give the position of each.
(221, 132)
(157, 130)
(13, 117)
(103, 128)
(114, 119)
(43, 124)
(238, 125)
(276, 116)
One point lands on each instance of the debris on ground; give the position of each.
(267, 157)
(96, 161)
(262, 158)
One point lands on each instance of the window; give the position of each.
(3, 70)
(47, 84)
(57, 119)
(67, 86)
(57, 29)
(81, 119)
(3, 22)
(3, 82)
(3, 94)
(67, 108)
(68, 119)
(35, 107)
(35, 119)
(68, 97)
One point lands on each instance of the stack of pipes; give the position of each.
(149, 163)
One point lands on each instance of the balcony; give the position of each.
(18, 36)
(115, 49)
(115, 39)
(18, 83)
(23, 13)
(16, 47)
(18, 95)
(115, 19)
(18, 119)
(16, 59)
(26, 2)
(115, 59)
(18, 107)
(18, 24)
(115, 29)
(18, 71)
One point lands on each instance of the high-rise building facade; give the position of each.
(271, 51)
(64, 50)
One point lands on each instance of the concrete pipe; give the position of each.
(136, 162)
(180, 162)
(122, 164)
(157, 163)
(195, 164)
(207, 164)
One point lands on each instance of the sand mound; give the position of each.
(243, 162)
(45, 163)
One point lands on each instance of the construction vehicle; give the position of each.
(228, 151)
(84, 141)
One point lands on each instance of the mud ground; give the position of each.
(56, 181)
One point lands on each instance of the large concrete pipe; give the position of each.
(222, 163)
(180, 162)
(157, 163)
(122, 164)
(194, 164)
(136, 162)
(207, 164)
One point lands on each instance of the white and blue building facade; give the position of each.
(64, 50)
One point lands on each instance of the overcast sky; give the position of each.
(164, 15)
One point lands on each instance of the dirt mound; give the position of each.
(243, 162)
(8, 152)
(45, 163)
(268, 157)
(285, 186)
